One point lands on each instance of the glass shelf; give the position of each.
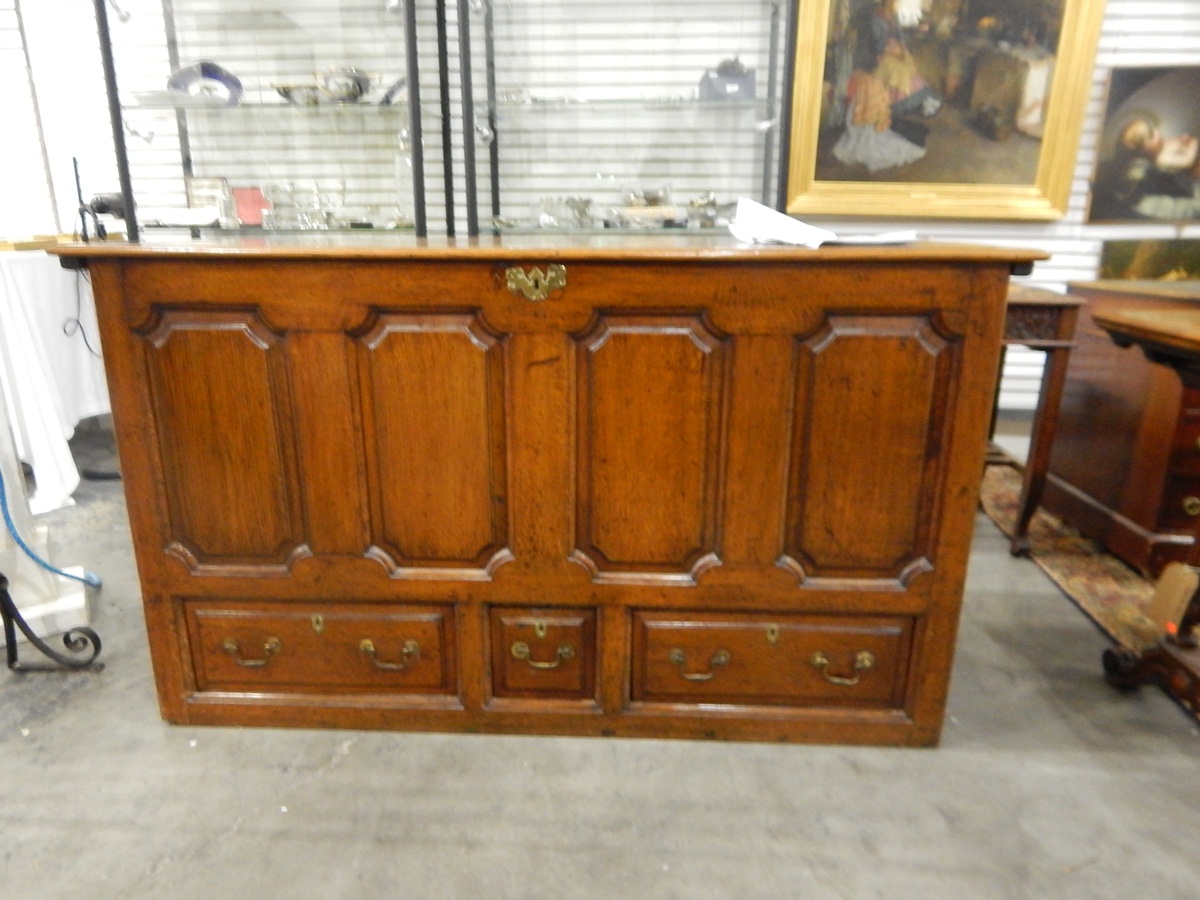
(253, 230)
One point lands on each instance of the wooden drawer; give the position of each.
(1185, 446)
(1180, 508)
(543, 653)
(769, 659)
(326, 646)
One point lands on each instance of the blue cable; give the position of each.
(89, 578)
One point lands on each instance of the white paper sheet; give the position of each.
(758, 224)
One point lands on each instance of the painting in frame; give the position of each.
(1148, 155)
(1172, 259)
(939, 108)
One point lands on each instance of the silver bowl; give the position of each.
(299, 94)
(345, 84)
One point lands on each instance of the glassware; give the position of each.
(331, 193)
(282, 212)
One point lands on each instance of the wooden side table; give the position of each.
(1170, 338)
(1041, 320)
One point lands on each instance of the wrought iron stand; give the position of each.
(82, 642)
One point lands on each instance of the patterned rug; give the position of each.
(1106, 589)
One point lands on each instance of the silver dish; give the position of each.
(299, 94)
(208, 80)
(345, 84)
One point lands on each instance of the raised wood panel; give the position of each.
(220, 390)
(651, 392)
(434, 427)
(871, 395)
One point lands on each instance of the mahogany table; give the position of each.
(1170, 338)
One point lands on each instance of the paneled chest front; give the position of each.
(665, 488)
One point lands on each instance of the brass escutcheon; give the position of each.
(535, 284)
(520, 650)
(318, 623)
(772, 634)
(270, 648)
(863, 660)
(408, 654)
(718, 659)
(1191, 506)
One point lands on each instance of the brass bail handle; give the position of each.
(718, 659)
(270, 647)
(408, 654)
(535, 284)
(863, 660)
(520, 650)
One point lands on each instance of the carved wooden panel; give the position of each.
(433, 412)
(871, 399)
(220, 391)
(650, 414)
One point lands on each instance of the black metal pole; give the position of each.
(447, 130)
(785, 117)
(467, 90)
(489, 46)
(772, 94)
(414, 117)
(114, 114)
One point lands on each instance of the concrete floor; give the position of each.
(1047, 784)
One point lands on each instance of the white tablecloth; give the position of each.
(49, 379)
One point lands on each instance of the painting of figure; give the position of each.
(1148, 161)
(951, 107)
(937, 91)
(1158, 260)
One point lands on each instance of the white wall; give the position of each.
(68, 79)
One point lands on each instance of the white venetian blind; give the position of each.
(598, 100)
(266, 141)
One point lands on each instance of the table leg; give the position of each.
(1045, 421)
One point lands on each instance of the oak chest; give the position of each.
(664, 488)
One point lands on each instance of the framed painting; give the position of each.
(1148, 156)
(939, 108)
(1157, 260)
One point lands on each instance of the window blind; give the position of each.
(266, 141)
(599, 101)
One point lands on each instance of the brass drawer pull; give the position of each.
(410, 653)
(1191, 506)
(535, 284)
(718, 659)
(863, 660)
(270, 648)
(520, 650)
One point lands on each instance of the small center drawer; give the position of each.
(299, 646)
(543, 653)
(767, 659)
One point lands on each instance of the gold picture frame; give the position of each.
(1011, 89)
